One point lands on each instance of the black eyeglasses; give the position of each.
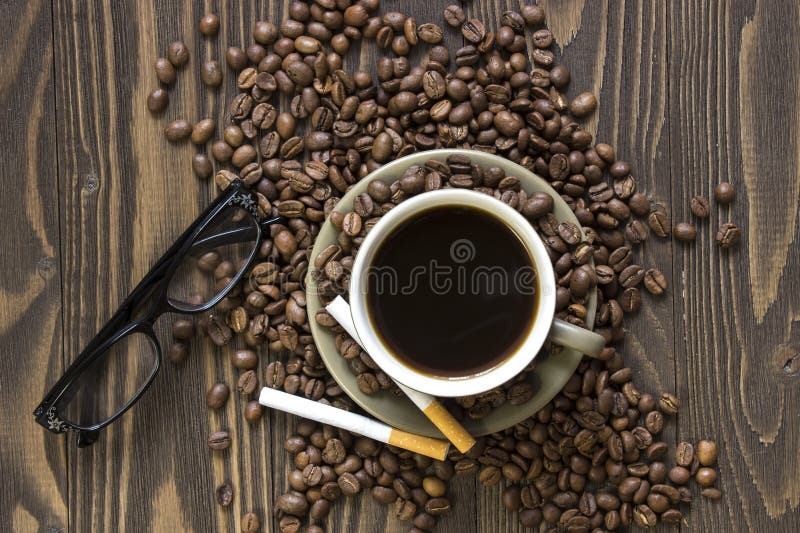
(122, 360)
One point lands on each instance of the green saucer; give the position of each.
(551, 371)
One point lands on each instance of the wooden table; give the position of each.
(691, 93)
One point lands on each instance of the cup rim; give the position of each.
(486, 379)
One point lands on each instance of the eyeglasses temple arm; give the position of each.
(232, 236)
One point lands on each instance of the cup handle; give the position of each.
(577, 338)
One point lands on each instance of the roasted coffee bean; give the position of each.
(405, 509)
(253, 411)
(424, 521)
(672, 516)
(334, 452)
(659, 223)
(202, 166)
(236, 58)
(728, 235)
(657, 473)
(668, 403)
(183, 330)
(654, 422)
(683, 231)
(669, 491)
(473, 30)
(466, 466)
(178, 130)
(631, 276)
(711, 493)
(244, 359)
(349, 484)
(706, 452)
(643, 516)
(700, 206)
(639, 204)
(583, 104)
(628, 487)
(569, 233)
(319, 510)
(312, 475)
(351, 225)
(724, 192)
(157, 101)
(265, 33)
(655, 281)
(684, 454)
(292, 503)
(203, 131)
(275, 375)
(209, 25)
(247, 383)
(437, 506)
(241, 106)
(656, 451)
(530, 518)
(490, 476)
(217, 395)
(706, 477)
(250, 523)
(679, 475)
(219, 332)
(435, 487)
(211, 73)
(178, 54)
(219, 440)
(630, 300)
(454, 16)
(165, 71)
(224, 494)
(429, 33)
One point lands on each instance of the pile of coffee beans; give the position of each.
(591, 458)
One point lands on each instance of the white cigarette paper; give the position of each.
(326, 414)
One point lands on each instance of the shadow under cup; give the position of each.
(452, 291)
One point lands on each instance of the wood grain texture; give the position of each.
(734, 90)
(691, 93)
(33, 496)
(122, 208)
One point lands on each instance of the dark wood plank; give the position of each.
(126, 197)
(33, 462)
(733, 106)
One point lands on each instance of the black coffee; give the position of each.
(452, 291)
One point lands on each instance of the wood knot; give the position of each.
(792, 365)
(46, 267)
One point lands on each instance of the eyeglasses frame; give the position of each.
(152, 291)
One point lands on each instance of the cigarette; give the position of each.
(429, 405)
(355, 423)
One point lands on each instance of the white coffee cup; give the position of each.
(545, 326)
